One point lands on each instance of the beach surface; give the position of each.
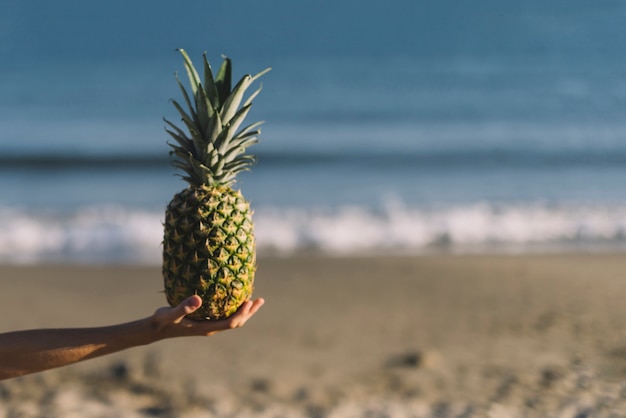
(431, 336)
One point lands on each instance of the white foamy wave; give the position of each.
(88, 235)
(113, 234)
(459, 229)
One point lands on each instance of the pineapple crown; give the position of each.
(214, 152)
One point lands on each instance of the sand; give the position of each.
(432, 336)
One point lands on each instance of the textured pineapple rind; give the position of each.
(209, 250)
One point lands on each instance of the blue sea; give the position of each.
(398, 127)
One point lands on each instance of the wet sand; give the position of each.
(440, 336)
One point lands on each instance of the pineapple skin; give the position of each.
(209, 250)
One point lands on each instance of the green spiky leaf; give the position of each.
(223, 81)
(194, 78)
(213, 151)
(209, 83)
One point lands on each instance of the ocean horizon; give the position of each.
(406, 128)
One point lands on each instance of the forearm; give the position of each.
(25, 352)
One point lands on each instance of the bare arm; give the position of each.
(24, 352)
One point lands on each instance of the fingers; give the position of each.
(164, 319)
(191, 304)
(187, 306)
(245, 312)
(171, 322)
(180, 326)
(255, 306)
(250, 307)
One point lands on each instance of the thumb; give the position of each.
(187, 306)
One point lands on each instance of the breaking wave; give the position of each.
(115, 234)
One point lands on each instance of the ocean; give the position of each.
(403, 127)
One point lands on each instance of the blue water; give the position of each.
(400, 126)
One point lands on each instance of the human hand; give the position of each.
(171, 322)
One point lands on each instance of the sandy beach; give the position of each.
(432, 336)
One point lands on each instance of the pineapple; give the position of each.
(209, 245)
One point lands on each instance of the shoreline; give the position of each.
(472, 330)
